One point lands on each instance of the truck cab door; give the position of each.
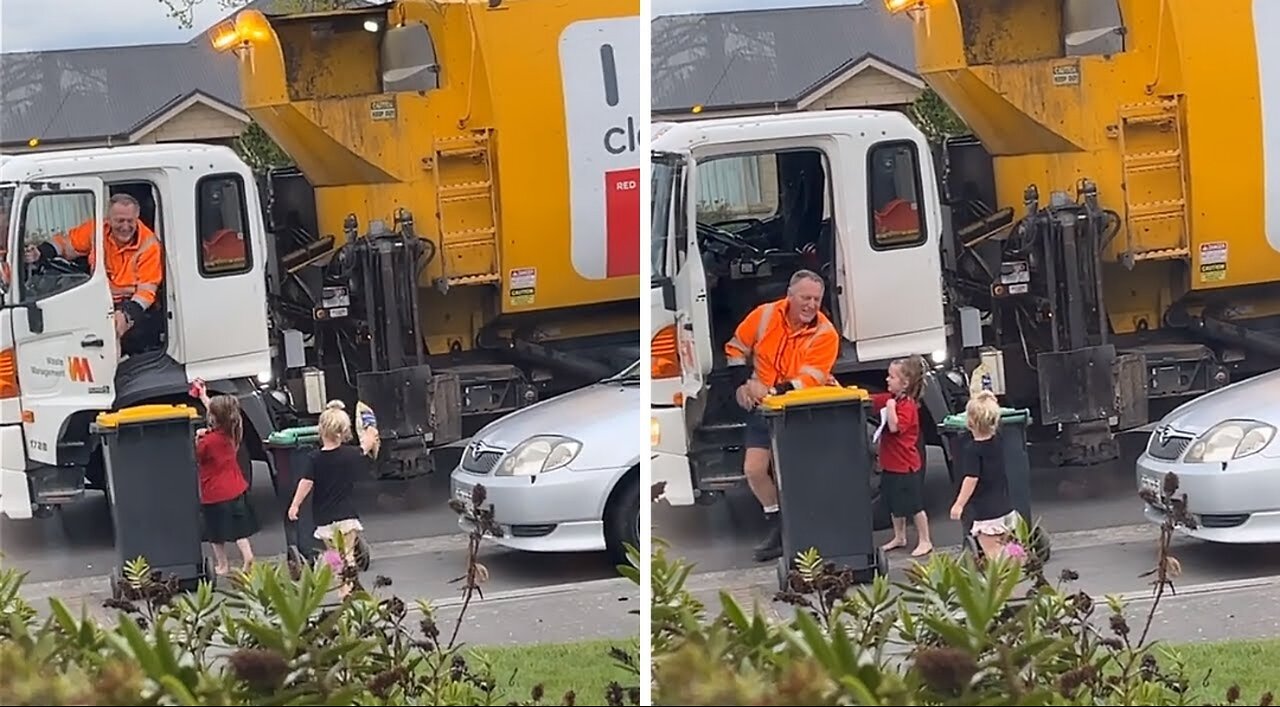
(63, 320)
(693, 314)
(890, 245)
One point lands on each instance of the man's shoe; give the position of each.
(771, 547)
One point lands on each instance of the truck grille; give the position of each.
(1167, 446)
(479, 461)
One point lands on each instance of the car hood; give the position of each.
(603, 413)
(1255, 398)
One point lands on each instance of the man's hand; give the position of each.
(122, 324)
(751, 393)
(31, 254)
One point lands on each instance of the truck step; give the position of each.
(466, 209)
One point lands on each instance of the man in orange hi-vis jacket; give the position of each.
(791, 344)
(135, 269)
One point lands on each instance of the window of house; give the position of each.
(223, 222)
(894, 186)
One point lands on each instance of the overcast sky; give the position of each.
(32, 25)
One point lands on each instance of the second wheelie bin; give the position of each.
(1012, 433)
(822, 466)
(153, 482)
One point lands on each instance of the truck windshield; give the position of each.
(663, 173)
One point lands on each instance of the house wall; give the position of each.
(869, 88)
(198, 123)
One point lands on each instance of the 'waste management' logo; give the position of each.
(78, 369)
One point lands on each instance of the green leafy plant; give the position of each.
(265, 639)
(956, 631)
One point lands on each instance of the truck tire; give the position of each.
(622, 520)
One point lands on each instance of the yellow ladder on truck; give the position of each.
(1157, 217)
(466, 208)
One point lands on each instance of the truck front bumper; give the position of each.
(670, 456)
(15, 492)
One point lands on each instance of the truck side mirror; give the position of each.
(668, 294)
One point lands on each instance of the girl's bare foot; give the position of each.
(922, 549)
(894, 544)
(221, 569)
(247, 564)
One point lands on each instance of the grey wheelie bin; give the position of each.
(822, 466)
(154, 486)
(1017, 465)
(291, 451)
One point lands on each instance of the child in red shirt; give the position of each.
(902, 480)
(224, 491)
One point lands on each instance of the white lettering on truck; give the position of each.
(601, 103)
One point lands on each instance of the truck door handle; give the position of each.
(91, 342)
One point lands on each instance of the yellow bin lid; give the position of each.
(815, 396)
(146, 413)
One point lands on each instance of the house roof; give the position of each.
(88, 94)
(759, 58)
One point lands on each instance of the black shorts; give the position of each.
(757, 434)
(903, 494)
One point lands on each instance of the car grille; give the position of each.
(479, 461)
(1170, 448)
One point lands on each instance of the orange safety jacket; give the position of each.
(802, 357)
(134, 270)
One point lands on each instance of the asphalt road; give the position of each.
(414, 540)
(1097, 530)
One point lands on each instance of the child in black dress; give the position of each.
(330, 481)
(985, 488)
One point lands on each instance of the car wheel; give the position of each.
(622, 521)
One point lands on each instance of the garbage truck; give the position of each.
(1102, 247)
(458, 238)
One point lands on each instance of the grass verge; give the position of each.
(1250, 665)
(586, 667)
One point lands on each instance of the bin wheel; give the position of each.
(882, 563)
(363, 559)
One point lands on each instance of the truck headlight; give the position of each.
(538, 454)
(1233, 439)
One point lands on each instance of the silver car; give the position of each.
(562, 475)
(1222, 446)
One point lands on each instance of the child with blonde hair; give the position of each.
(331, 477)
(985, 488)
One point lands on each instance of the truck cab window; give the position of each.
(893, 185)
(662, 178)
(223, 215)
(44, 225)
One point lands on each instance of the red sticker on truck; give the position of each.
(622, 221)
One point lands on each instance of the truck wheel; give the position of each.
(622, 521)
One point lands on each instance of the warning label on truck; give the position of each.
(1213, 261)
(603, 124)
(522, 285)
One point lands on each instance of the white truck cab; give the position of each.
(60, 362)
(740, 204)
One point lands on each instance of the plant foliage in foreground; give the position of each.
(957, 631)
(265, 640)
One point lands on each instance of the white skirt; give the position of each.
(1004, 525)
(347, 526)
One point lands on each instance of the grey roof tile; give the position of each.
(768, 57)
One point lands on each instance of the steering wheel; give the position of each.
(728, 239)
(57, 264)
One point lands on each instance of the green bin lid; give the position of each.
(293, 436)
(956, 422)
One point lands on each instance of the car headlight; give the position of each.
(1229, 440)
(538, 454)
